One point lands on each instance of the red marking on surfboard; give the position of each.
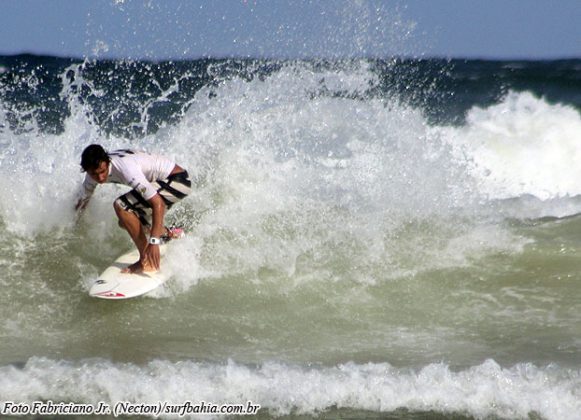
(110, 294)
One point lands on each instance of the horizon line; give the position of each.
(291, 58)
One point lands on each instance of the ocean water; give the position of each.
(366, 239)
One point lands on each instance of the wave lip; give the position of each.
(481, 391)
(523, 145)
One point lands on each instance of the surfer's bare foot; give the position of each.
(133, 268)
(138, 267)
(148, 268)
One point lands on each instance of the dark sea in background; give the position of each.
(392, 239)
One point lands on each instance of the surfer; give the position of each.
(157, 184)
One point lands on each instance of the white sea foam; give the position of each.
(313, 188)
(522, 145)
(283, 172)
(484, 390)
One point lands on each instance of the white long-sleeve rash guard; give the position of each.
(135, 169)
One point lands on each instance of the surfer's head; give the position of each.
(95, 161)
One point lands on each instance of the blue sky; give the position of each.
(161, 29)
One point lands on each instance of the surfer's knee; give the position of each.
(120, 207)
(117, 206)
(120, 211)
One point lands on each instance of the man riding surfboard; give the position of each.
(157, 184)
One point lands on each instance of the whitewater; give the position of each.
(359, 244)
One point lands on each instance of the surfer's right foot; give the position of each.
(133, 268)
(137, 267)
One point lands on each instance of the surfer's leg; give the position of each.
(134, 215)
(172, 190)
(129, 221)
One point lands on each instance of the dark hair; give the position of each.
(92, 157)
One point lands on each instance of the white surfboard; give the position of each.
(113, 284)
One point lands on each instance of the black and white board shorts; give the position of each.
(171, 190)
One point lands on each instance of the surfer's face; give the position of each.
(101, 173)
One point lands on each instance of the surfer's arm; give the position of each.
(87, 190)
(157, 229)
(82, 204)
(80, 207)
(136, 179)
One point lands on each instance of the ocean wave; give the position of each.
(522, 145)
(481, 391)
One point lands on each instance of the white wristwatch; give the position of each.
(154, 241)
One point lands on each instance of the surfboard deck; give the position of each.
(113, 284)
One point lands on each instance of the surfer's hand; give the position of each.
(81, 204)
(152, 255)
(80, 209)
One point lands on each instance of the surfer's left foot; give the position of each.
(137, 267)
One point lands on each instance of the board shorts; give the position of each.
(171, 190)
